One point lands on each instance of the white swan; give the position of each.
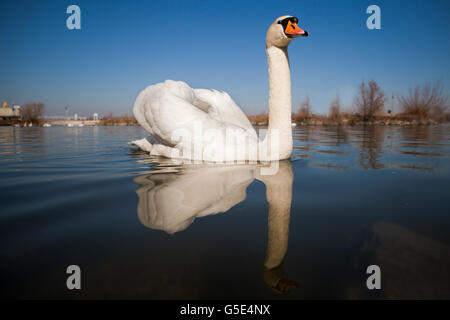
(172, 200)
(171, 110)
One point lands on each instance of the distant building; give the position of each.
(95, 117)
(10, 113)
(75, 117)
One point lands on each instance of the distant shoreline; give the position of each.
(294, 124)
(259, 120)
(348, 120)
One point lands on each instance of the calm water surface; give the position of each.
(142, 227)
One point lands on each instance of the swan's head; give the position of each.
(283, 30)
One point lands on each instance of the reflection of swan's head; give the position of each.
(276, 279)
(282, 31)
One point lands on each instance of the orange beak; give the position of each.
(294, 30)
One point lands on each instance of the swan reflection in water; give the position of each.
(171, 199)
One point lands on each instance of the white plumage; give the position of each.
(169, 107)
(171, 111)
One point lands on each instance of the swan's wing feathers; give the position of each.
(146, 99)
(221, 107)
(163, 108)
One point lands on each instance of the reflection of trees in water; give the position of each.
(303, 140)
(7, 141)
(439, 134)
(17, 140)
(416, 134)
(420, 136)
(172, 197)
(328, 135)
(335, 135)
(422, 145)
(370, 141)
(309, 138)
(341, 135)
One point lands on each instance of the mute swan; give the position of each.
(171, 200)
(172, 109)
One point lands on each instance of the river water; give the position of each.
(142, 227)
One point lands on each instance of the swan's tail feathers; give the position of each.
(143, 144)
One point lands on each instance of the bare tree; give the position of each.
(335, 109)
(370, 100)
(32, 112)
(305, 109)
(423, 102)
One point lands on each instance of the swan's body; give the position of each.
(172, 107)
(171, 111)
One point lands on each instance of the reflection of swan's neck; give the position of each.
(279, 196)
(280, 105)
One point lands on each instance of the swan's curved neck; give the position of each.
(280, 104)
(279, 197)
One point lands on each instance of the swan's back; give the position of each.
(165, 107)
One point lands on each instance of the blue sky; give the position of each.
(123, 46)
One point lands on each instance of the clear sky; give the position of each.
(124, 46)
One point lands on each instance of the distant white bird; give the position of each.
(164, 108)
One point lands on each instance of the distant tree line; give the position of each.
(32, 112)
(426, 102)
(370, 100)
(421, 103)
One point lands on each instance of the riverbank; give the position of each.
(259, 120)
(350, 120)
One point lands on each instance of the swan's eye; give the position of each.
(279, 22)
